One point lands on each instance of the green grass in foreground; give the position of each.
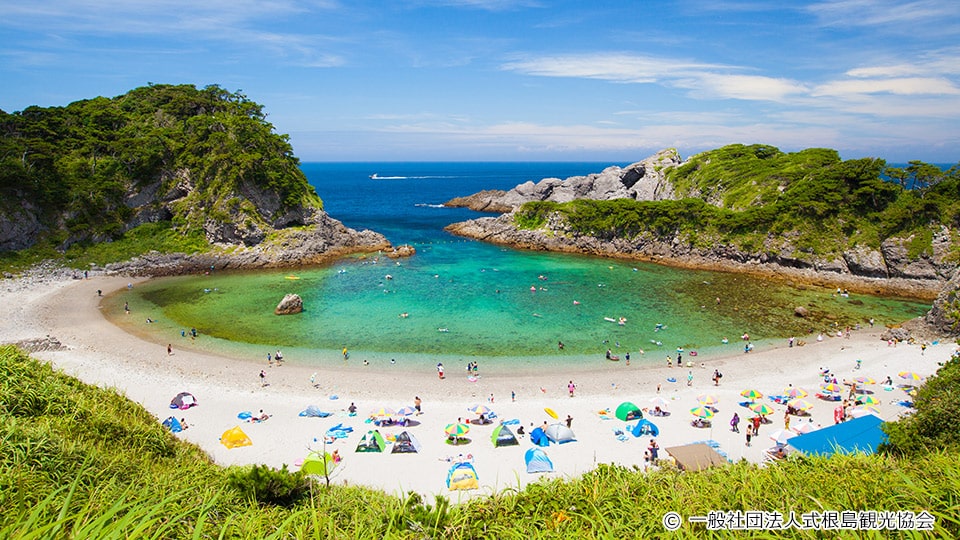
(81, 462)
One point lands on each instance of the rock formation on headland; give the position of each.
(894, 266)
(197, 169)
(642, 181)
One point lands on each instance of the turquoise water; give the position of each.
(468, 299)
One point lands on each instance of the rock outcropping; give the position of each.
(642, 181)
(291, 303)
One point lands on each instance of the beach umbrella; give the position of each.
(781, 436)
(794, 392)
(867, 399)
(865, 380)
(910, 376)
(707, 399)
(831, 387)
(406, 411)
(800, 404)
(804, 427)
(659, 402)
(456, 430)
(751, 394)
(857, 412)
(702, 412)
(762, 409)
(480, 409)
(384, 411)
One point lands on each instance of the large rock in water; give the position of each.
(291, 303)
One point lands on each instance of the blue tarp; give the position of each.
(539, 438)
(173, 425)
(858, 435)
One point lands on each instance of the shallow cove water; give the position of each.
(460, 298)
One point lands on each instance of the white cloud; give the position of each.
(899, 86)
(895, 14)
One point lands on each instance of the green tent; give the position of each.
(372, 442)
(314, 463)
(628, 411)
(502, 436)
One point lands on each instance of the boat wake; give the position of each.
(427, 205)
(376, 176)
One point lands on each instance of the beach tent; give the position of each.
(183, 400)
(537, 461)
(502, 436)
(318, 464)
(695, 457)
(235, 437)
(862, 434)
(372, 442)
(539, 438)
(560, 434)
(314, 412)
(173, 425)
(405, 443)
(645, 427)
(462, 476)
(628, 411)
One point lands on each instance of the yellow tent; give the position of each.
(234, 437)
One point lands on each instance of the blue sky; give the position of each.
(520, 80)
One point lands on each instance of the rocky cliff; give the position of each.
(642, 181)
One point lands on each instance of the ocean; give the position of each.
(460, 299)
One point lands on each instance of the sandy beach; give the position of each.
(100, 353)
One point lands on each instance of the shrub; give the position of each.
(269, 486)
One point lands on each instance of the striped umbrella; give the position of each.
(406, 411)
(762, 409)
(794, 392)
(910, 376)
(480, 409)
(383, 411)
(831, 387)
(857, 412)
(800, 404)
(707, 399)
(865, 380)
(867, 399)
(702, 412)
(751, 394)
(456, 430)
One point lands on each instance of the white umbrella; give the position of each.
(781, 436)
(659, 402)
(804, 427)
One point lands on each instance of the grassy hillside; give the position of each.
(762, 200)
(82, 462)
(178, 156)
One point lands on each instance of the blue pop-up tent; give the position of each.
(644, 427)
(537, 461)
(862, 434)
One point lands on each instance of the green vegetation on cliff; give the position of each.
(80, 462)
(183, 157)
(760, 199)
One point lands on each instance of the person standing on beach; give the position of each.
(169, 349)
(569, 420)
(571, 387)
(748, 437)
(263, 378)
(126, 308)
(440, 370)
(735, 423)
(416, 405)
(690, 378)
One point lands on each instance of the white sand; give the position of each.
(100, 353)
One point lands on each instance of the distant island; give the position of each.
(807, 216)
